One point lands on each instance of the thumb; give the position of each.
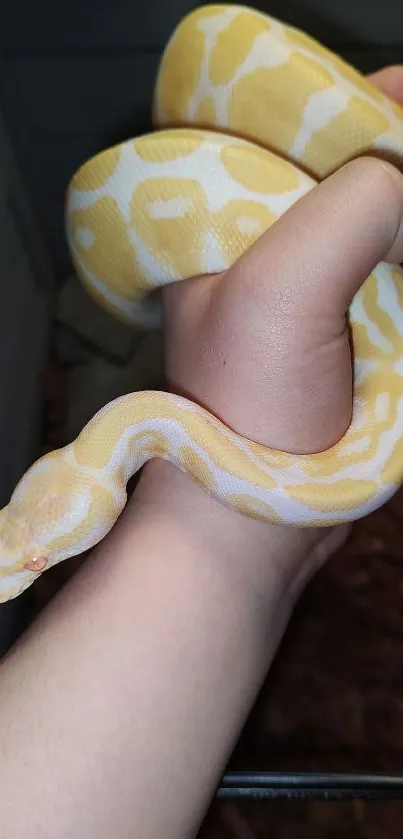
(281, 369)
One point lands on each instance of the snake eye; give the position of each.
(37, 563)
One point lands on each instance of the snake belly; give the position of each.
(249, 114)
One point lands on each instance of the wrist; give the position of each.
(267, 557)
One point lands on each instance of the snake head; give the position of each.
(58, 510)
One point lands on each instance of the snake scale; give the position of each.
(249, 115)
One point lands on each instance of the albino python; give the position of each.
(235, 89)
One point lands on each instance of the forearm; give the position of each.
(120, 707)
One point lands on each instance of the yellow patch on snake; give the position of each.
(206, 112)
(348, 493)
(240, 224)
(186, 47)
(388, 330)
(356, 128)
(194, 465)
(300, 39)
(389, 470)
(180, 145)
(92, 178)
(397, 109)
(363, 346)
(103, 251)
(340, 456)
(294, 81)
(385, 324)
(260, 172)
(51, 503)
(233, 45)
(249, 506)
(171, 76)
(170, 218)
(102, 507)
(42, 494)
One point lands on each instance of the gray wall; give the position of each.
(26, 289)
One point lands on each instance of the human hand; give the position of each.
(265, 346)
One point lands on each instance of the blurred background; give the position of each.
(74, 78)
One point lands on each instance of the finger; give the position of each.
(389, 80)
(281, 371)
(271, 349)
(330, 240)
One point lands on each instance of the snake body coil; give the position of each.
(241, 102)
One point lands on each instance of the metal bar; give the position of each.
(311, 785)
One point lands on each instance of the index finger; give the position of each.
(287, 298)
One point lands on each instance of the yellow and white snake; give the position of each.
(189, 199)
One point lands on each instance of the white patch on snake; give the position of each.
(266, 51)
(398, 366)
(177, 207)
(363, 367)
(375, 335)
(38, 469)
(154, 266)
(214, 25)
(146, 312)
(391, 140)
(355, 446)
(371, 469)
(84, 237)
(213, 259)
(20, 580)
(211, 28)
(248, 225)
(359, 415)
(382, 404)
(321, 108)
